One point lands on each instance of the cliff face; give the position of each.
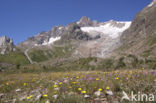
(140, 38)
(6, 45)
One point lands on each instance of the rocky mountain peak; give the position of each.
(6, 45)
(85, 21)
(4, 40)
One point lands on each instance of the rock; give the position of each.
(38, 97)
(100, 100)
(6, 45)
(22, 98)
(14, 101)
(115, 101)
(1, 95)
(18, 90)
(48, 101)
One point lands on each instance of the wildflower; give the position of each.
(97, 78)
(142, 68)
(100, 89)
(74, 82)
(109, 93)
(56, 89)
(55, 92)
(7, 83)
(25, 84)
(45, 95)
(70, 87)
(83, 92)
(55, 86)
(86, 96)
(60, 83)
(55, 96)
(77, 77)
(29, 97)
(107, 88)
(97, 93)
(79, 89)
(117, 78)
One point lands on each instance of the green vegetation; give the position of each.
(15, 57)
(39, 55)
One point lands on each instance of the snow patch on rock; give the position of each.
(51, 40)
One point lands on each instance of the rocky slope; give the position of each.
(140, 38)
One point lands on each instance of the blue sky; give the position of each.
(20, 19)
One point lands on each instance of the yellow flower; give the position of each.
(55, 92)
(70, 87)
(77, 77)
(117, 78)
(97, 78)
(55, 86)
(142, 68)
(25, 84)
(107, 88)
(100, 89)
(7, 83)
(83, 92)
(29, 97)
(71, 78)
(60, 83)
(79, 89)
(74, 82)
(45, 95)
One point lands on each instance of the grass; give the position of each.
(39, 55)
(63, 87)
(15, 57)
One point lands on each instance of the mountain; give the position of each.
(92, 44)
(81, 39)
(6, 45)
(140, 38)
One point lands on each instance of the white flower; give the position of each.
(86, 96)
(97, 93)
(56, 89)
(55, 96)
(109, 93)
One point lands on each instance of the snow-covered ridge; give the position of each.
(51, 40)
(112, 30)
